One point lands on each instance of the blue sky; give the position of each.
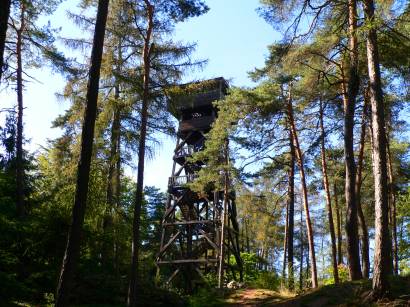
(231, 36)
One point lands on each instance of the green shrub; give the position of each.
(252, 276)
(266, 280)
(205, 297)
(343, 274)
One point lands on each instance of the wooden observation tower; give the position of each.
(199, 232)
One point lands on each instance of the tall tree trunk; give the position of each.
(393, 213)
(248, 245)
(111, 180)
(349, 109)
(382, 249)
(362, 221)
(224, 218)
(338, 227)
(327, 192)
(132, 290)
(285, 246)
(299, 158)
(301, 250)
(19, 139)
(308, 285)
(4, 18)
(117, 193)
(72, 251)
(112, 176)
(291, 212)
(117, 172)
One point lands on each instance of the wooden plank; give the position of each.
(182, 143)
(180, 170)
(169, 243)
(200, 273)
(176, 201)
(187, 261)
(212, 243)
(210, 203)
(172, 276)
(189, 223)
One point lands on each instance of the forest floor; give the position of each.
(345, 294)
(254, 297)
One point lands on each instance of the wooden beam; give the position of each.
(173, 207)
(200, 273)
(169, 243)
(189, 223)
(212, 243)
(211, 204)
(182, 143)
(172, 276)
(180, 170)
(188, 261)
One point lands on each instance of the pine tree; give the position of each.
(291, 212)
(327, 191)
(72, 252)
(4, 18)
(31, 45)
(299, 159)
(349, 109)
(155, 15)
(382, 254)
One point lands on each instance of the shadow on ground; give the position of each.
(345, 294)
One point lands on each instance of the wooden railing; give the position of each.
(180, 181)
(185, 151)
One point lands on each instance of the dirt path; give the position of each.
(254, 297)
(341, 295)
(264, 297)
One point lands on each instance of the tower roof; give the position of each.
(195, 95)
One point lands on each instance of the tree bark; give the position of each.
(291, 212)
(362, 220)
(349, 109)
(72, 252)
(19, 138)
(327, 193)
(132, 289)
(117, 192)
(338, 227)
(4, 18)
(285, 245)
(224, 217)
(307, 271)
(248, 245)
(299, 158)
(111, 194)
(382, 249)
(393, 213)
(117, 172)
(301, 251)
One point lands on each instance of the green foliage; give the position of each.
(253, 276)
(211, 280)
(267, 280)
(250, 262)
(343, 274)
(206, 297)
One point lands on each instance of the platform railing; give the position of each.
(180, 181)
(185, 151)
